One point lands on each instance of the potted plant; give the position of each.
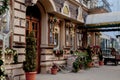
(76, 66)
(54, 69)
(100, 56)
(101, 60)
(58, 53)
(9, 55)
(89, 63)
(29, 65)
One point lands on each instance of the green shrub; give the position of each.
(30, 64)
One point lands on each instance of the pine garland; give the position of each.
(3, 6)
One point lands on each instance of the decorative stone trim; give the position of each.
(69, 24)
(53, 19)
(80, 16)
(65, 9)
(30, 2)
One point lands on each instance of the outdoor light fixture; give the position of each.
(118, 37)
(30, 2)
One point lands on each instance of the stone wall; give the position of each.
(18, 23)
(15, 72)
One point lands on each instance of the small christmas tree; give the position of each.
(30, 64)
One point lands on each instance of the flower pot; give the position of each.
(30, 75)
(54, 70)
(90, 64)
(101, 63)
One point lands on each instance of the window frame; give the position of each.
(79, 37)
(70, 42)
(54, 23)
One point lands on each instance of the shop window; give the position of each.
(69, 35)
(79, 39)
(54, 32)
(89, 39)
(51, 34)
(96, 39)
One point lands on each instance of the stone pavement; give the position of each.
(108, 72)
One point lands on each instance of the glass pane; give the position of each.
(67, 36)
(27, 32)
(33, 25)
(56, 39)
(27, 25)
(71, 40)
(51, 38)
(78, 40)
(36, 26)
(51, 34)
(36, 34)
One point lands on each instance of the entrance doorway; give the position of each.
(33, 24)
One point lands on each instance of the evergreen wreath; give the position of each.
(3, 6)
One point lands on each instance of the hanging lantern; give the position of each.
(118, 37)
(30, 2)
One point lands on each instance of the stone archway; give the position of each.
(48, 5)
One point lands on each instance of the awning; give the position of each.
(112, 18)
(104, 21)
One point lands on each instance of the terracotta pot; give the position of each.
(30, 75)
(90, 64)
(53, 71)
(101, 63)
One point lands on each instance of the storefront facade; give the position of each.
(56, 26)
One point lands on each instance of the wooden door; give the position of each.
(32, 24)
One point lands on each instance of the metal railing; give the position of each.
(100, 4)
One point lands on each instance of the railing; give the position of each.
(100, 4)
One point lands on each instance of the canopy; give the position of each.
(103, 19)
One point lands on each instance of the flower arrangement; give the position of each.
(11, 56)
(10, 51)
(53, 19)
(69, 24)
(58, 53)
(54, 69)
